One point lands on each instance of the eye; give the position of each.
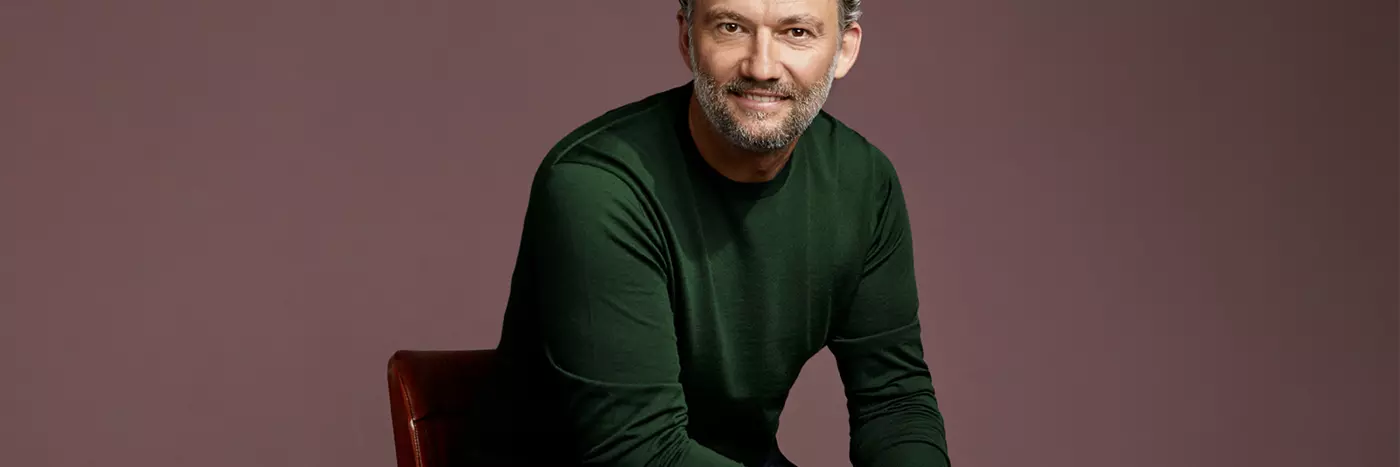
(799, 33)
(729, 27)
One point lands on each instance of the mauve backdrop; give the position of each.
(1149, 233)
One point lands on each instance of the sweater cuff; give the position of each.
(909, 454)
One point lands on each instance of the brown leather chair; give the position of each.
(428, 395)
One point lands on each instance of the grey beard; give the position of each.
(806, 105)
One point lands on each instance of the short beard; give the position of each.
(806, 105)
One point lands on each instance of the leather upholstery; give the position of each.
(428, 395)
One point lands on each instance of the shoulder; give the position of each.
(612, 141)
(599, 164)
(850, 155)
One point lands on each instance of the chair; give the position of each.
(428, 395)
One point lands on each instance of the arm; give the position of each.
(608, 329)
(894, 416)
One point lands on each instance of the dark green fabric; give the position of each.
(659, 312)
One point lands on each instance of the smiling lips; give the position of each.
(759, 100)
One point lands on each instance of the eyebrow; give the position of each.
(722, 13)
(807, 19)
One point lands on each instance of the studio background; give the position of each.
(1148, 234)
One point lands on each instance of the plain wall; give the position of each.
(1148, 233)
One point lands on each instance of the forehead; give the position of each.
(770, 9)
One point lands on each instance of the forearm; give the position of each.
(894, 415)
(651, 447)
(631, 424)
(697, 455)
(903, 432)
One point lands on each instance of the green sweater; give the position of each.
(659, 312)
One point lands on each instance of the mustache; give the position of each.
(742, 85)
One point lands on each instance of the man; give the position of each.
(685, 254)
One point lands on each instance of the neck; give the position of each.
(733, 162)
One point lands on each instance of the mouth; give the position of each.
(759, 100)
(760, 96)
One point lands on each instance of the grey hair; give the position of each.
(848, 10)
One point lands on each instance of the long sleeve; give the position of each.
(608, 331)
(894, 416)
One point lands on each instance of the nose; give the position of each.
(762, 63)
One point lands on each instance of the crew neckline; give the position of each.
(764, 189)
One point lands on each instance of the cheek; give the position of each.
(719, 72)
(811, 72)
(719, 61)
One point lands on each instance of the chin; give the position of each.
(769, 126)
(751, 119)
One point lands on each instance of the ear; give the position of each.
(850, 48)
(684, 41)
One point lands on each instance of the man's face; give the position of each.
(763, 68)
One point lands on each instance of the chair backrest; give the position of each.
(428, 395)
